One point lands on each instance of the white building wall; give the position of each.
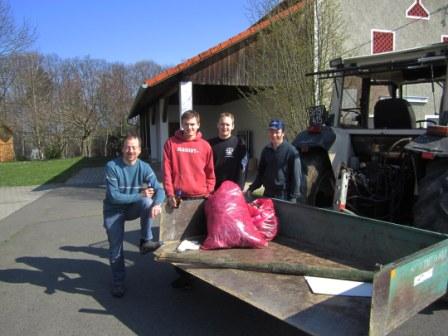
(362, 16)
(209, 117)
(244, 120)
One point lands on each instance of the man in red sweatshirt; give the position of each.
(188, 170)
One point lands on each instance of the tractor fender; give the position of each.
(334, 142)
(307, 140)
(318, 178)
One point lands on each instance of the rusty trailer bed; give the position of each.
(396, 256)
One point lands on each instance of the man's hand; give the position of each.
(148, 192)
(156, 210)
(172, 202)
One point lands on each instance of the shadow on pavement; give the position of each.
(150, 305)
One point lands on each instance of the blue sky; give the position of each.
(127, 31)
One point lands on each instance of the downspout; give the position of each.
(316, 53)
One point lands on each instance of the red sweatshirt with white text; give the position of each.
(188, 166)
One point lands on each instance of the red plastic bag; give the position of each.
(263, 216)
(229, 223)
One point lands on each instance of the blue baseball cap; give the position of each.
(277, 124)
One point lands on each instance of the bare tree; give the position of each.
(300, 41)
(58, 103)
(14, 39)
(82, 103)
(141, 71)
(32, 94)
(118, 87)
(115, 97)
(59, 131)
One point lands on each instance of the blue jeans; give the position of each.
(114, 224)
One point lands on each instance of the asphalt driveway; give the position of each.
(55, 277)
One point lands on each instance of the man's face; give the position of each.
(276, 136)
(131, 150)
(190, 127)
(225, 127)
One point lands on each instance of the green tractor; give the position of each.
(381, 151)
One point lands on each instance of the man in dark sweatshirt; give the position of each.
(229, 153)
(280, 169)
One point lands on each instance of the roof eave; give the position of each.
(178, 70)
(136, 105)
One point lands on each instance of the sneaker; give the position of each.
(117, 291)
(148, 246)
(182, 282)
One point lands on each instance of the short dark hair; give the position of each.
(190, 114)
(132, 135)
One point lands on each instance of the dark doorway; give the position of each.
(173, 127)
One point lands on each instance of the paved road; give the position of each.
(15, 198)
(54, 280)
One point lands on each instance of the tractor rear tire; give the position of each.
(431, 207)
(319, 180)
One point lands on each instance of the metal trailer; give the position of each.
(408, 267)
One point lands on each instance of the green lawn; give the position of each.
(26, 173)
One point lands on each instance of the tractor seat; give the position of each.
(393, 113)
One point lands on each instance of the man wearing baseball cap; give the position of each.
(280, 169)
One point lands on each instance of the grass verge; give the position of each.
(26, 173)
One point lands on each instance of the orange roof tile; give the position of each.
(222, 46)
